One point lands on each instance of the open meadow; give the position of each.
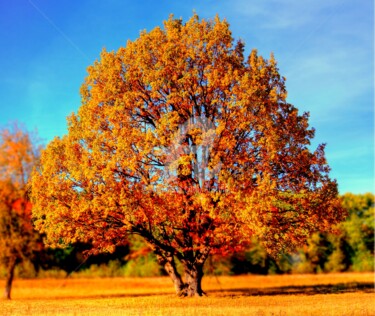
(323, 294)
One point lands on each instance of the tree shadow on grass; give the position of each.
(364, 287)
(352, 287)
(97, 296)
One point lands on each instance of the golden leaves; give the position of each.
(249, 172)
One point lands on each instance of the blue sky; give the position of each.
(325, 49)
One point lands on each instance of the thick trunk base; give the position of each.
(193, 277)
(170, 267)
(193, 268)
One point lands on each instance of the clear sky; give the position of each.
(325, 49)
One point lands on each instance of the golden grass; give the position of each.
(330, 294)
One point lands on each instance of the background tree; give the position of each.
(358, 230)
(18, 239)
(182, 140)
(256, 260)
(74, 258)
(350, 247)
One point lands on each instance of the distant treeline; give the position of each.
(350, 248)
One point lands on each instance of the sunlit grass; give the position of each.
(331, 294)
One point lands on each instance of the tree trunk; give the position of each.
(170, 267)
(193, 277)
(9, 278)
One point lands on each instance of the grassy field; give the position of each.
(331, 294)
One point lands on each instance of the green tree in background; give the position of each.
(359, 230)
(351, 248)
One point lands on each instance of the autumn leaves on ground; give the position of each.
(187, 144)
(333, 294)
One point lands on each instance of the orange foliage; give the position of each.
(18, 239)
(182, 140)
(17, 158)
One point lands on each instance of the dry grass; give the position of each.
(332, 294)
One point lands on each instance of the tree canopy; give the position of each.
(186, 142)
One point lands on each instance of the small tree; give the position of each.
(183, 141)
(18, 239)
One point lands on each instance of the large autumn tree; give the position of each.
(186, 142)
(18, 239)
